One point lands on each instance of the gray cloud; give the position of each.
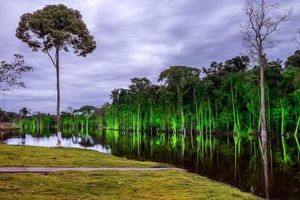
(134, 38)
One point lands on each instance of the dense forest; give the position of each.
(223, 97)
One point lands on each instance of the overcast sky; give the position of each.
(135, 38)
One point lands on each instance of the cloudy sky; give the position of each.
(135, 38)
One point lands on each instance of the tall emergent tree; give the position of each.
(263, 21)
(56, 27)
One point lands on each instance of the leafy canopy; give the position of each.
(294, 60)
(178, 76)
(55, 26)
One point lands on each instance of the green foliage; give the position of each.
(224, 98)
(294, 60)
(55, 26)
(24, 112)
(8, 116)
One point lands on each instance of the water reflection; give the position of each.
(50, 140)
(234, 160)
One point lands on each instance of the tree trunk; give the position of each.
(263, 125)
(58, 98)
(181, 111)
(196, 110)
(262, 102)
(266, 169)
(138, 126)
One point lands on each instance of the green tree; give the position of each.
(293, 60)
(139, 87)
(24, 112)
(10, 73)
(177, 78)
(56, 27)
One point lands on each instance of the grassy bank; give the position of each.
(170, 184)
(26, 156)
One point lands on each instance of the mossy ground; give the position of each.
(170, 184)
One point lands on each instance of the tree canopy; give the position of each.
(293, 60)
(56, 26)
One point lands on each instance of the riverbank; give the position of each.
(165, 184)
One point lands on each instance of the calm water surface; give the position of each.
(233, 160)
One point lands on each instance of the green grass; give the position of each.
(170, 184)
(27, 156)
(115, 185)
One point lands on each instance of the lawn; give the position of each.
(27, 156)
(170, 184)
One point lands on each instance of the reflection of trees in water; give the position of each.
(86, 140)
(235, 160)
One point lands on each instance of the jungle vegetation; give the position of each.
(223, 97)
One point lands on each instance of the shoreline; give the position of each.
(29, 156)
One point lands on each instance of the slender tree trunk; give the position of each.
(58, 98)
(138, 126)
(87, 125)
(181, 111)
(263, 126)
(196, 110)
(297, 126)
(262, 102)
(266, 169)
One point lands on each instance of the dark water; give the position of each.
(233, 160)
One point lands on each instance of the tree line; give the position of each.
(222, 97)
